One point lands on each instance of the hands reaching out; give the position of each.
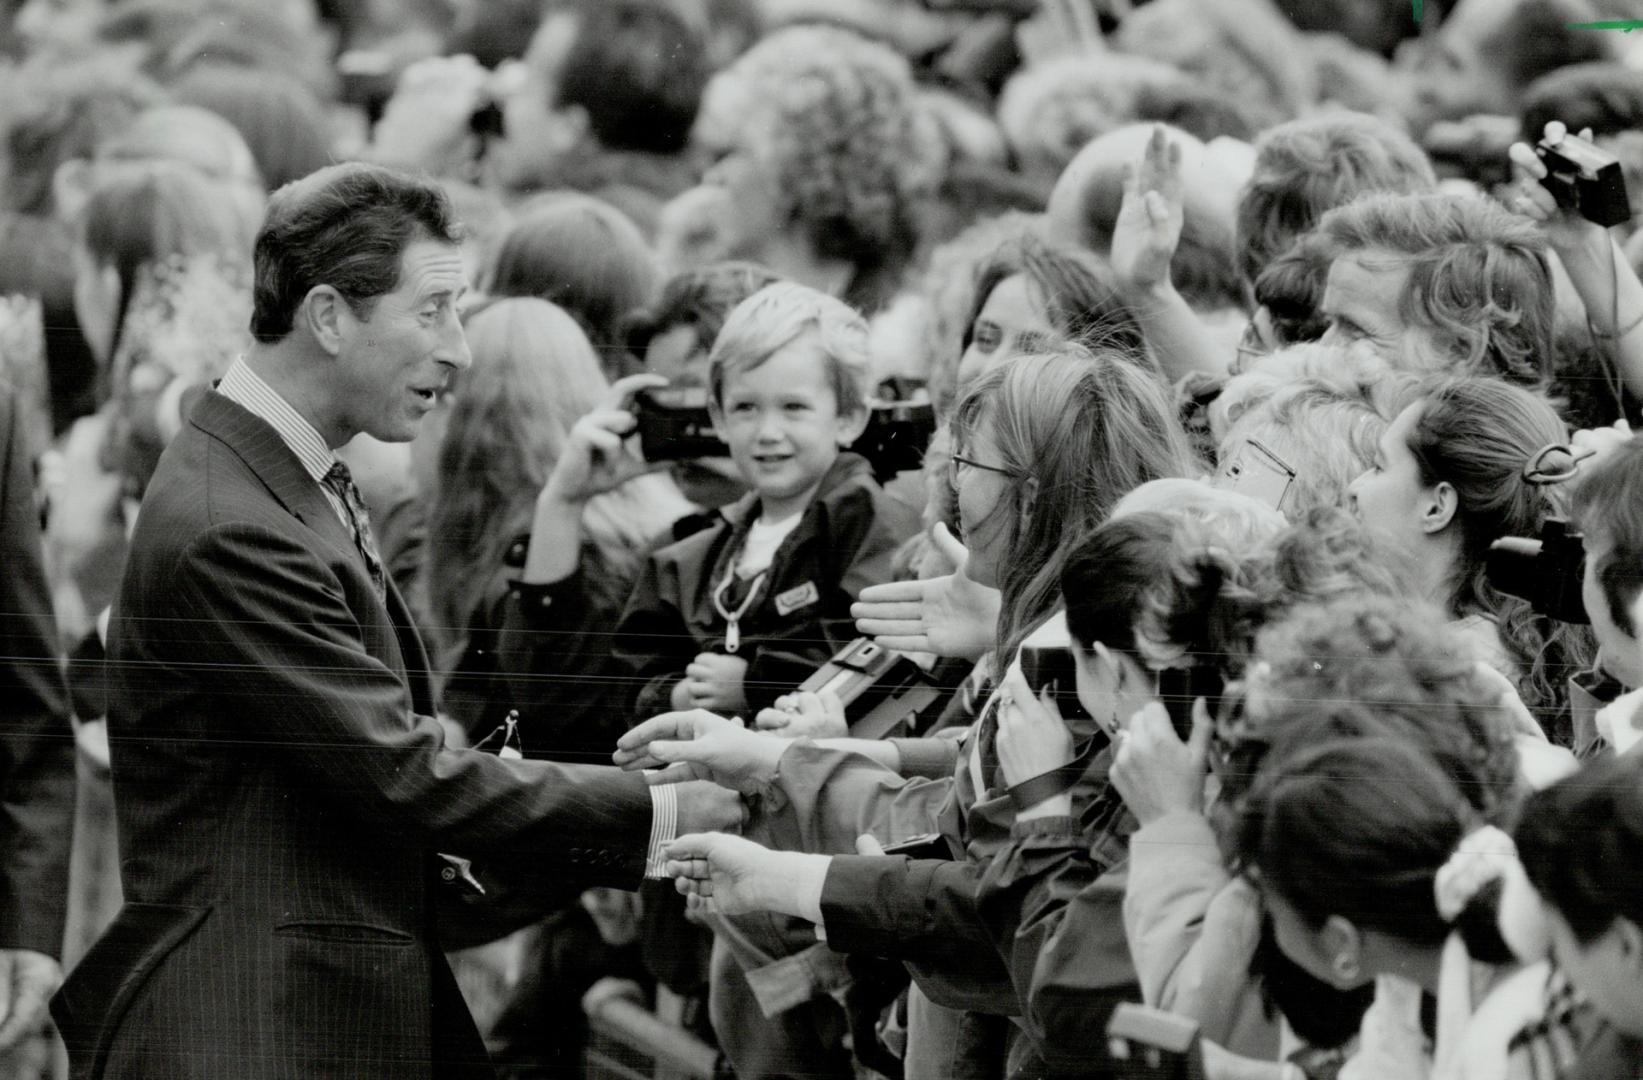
(948, 616)
(802, 715)
(733, 876)
(700, 745)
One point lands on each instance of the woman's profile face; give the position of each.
(985, 502)
(1011, 320)
(1389, 496)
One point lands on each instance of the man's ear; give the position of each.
(71, 184)
(1439, 504)
(1341, 945)
(326, 315)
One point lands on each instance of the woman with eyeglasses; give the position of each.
(1463, 465)
(1044, 447)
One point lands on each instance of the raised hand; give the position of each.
(714, 681)
(1032, 737)
(596, 458)
(1150, 218)
(948, 616)
(699, 745)
(1154, 770)
(733, 876)
(801, 715)
(1566, 230)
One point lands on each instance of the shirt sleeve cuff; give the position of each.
(664, 828)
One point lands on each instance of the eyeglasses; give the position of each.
(1546, 468)
(954, 461)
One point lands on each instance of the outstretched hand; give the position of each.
(1566, 230)
(699, 745)
(733, 876)
(1150, 217)
(802, 715)
(948, 616)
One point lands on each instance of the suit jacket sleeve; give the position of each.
(36, 738)
(286, 653)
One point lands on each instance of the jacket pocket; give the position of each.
(103, 985)
(342, 932)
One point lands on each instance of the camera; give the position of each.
(1546, 572)
(1178, 688)
(674, 425)
(883, 691)
(1151, 1044)
(1584, 178)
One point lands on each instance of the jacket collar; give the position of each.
(847, 466)
(255, 442)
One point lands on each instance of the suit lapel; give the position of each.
(260, 447)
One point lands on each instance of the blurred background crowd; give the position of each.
(1283, 273)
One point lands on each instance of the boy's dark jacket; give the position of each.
(844, 542)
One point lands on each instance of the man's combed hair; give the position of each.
(1479, 277)
(775, 317)
(346, 226)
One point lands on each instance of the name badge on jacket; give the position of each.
(797, 597)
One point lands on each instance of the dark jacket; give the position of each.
(844, 542)
(36, 740)
(282, 788)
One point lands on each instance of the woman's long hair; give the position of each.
(1087, 427)
(533, 376)
(1477, 434)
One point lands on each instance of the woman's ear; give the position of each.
(1439, 504)
(1341, 946)
(1029, 498)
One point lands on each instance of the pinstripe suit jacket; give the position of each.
(280, 787)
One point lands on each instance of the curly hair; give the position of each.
(1476, 435)
(835, 119)
(1479, 277)
(1309, 166)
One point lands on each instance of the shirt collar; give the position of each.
(245, 388)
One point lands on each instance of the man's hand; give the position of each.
(948, 616)
(27, 981)
(1154, 770)
(1150, 218)
(714, 681)
(706, 807)
(700, 745)
(735, 876)
(802, 715)
(595, 458)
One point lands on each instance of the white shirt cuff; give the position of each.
(664, 827)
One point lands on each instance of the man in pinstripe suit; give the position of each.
(280, 781)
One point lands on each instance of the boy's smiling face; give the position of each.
(783, 424)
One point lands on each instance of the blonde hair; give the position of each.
(534, 375)
(775, 317)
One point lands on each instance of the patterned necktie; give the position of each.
(341, 482)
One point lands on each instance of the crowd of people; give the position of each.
(938, 540)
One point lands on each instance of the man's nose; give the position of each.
(453, 348)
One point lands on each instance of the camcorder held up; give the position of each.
(883, 691)
(1546, 572)
(1586, 179)
(674, 425)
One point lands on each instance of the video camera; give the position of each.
(882, 691)
(674, 425)
(1584, 178)
(1546, 572)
